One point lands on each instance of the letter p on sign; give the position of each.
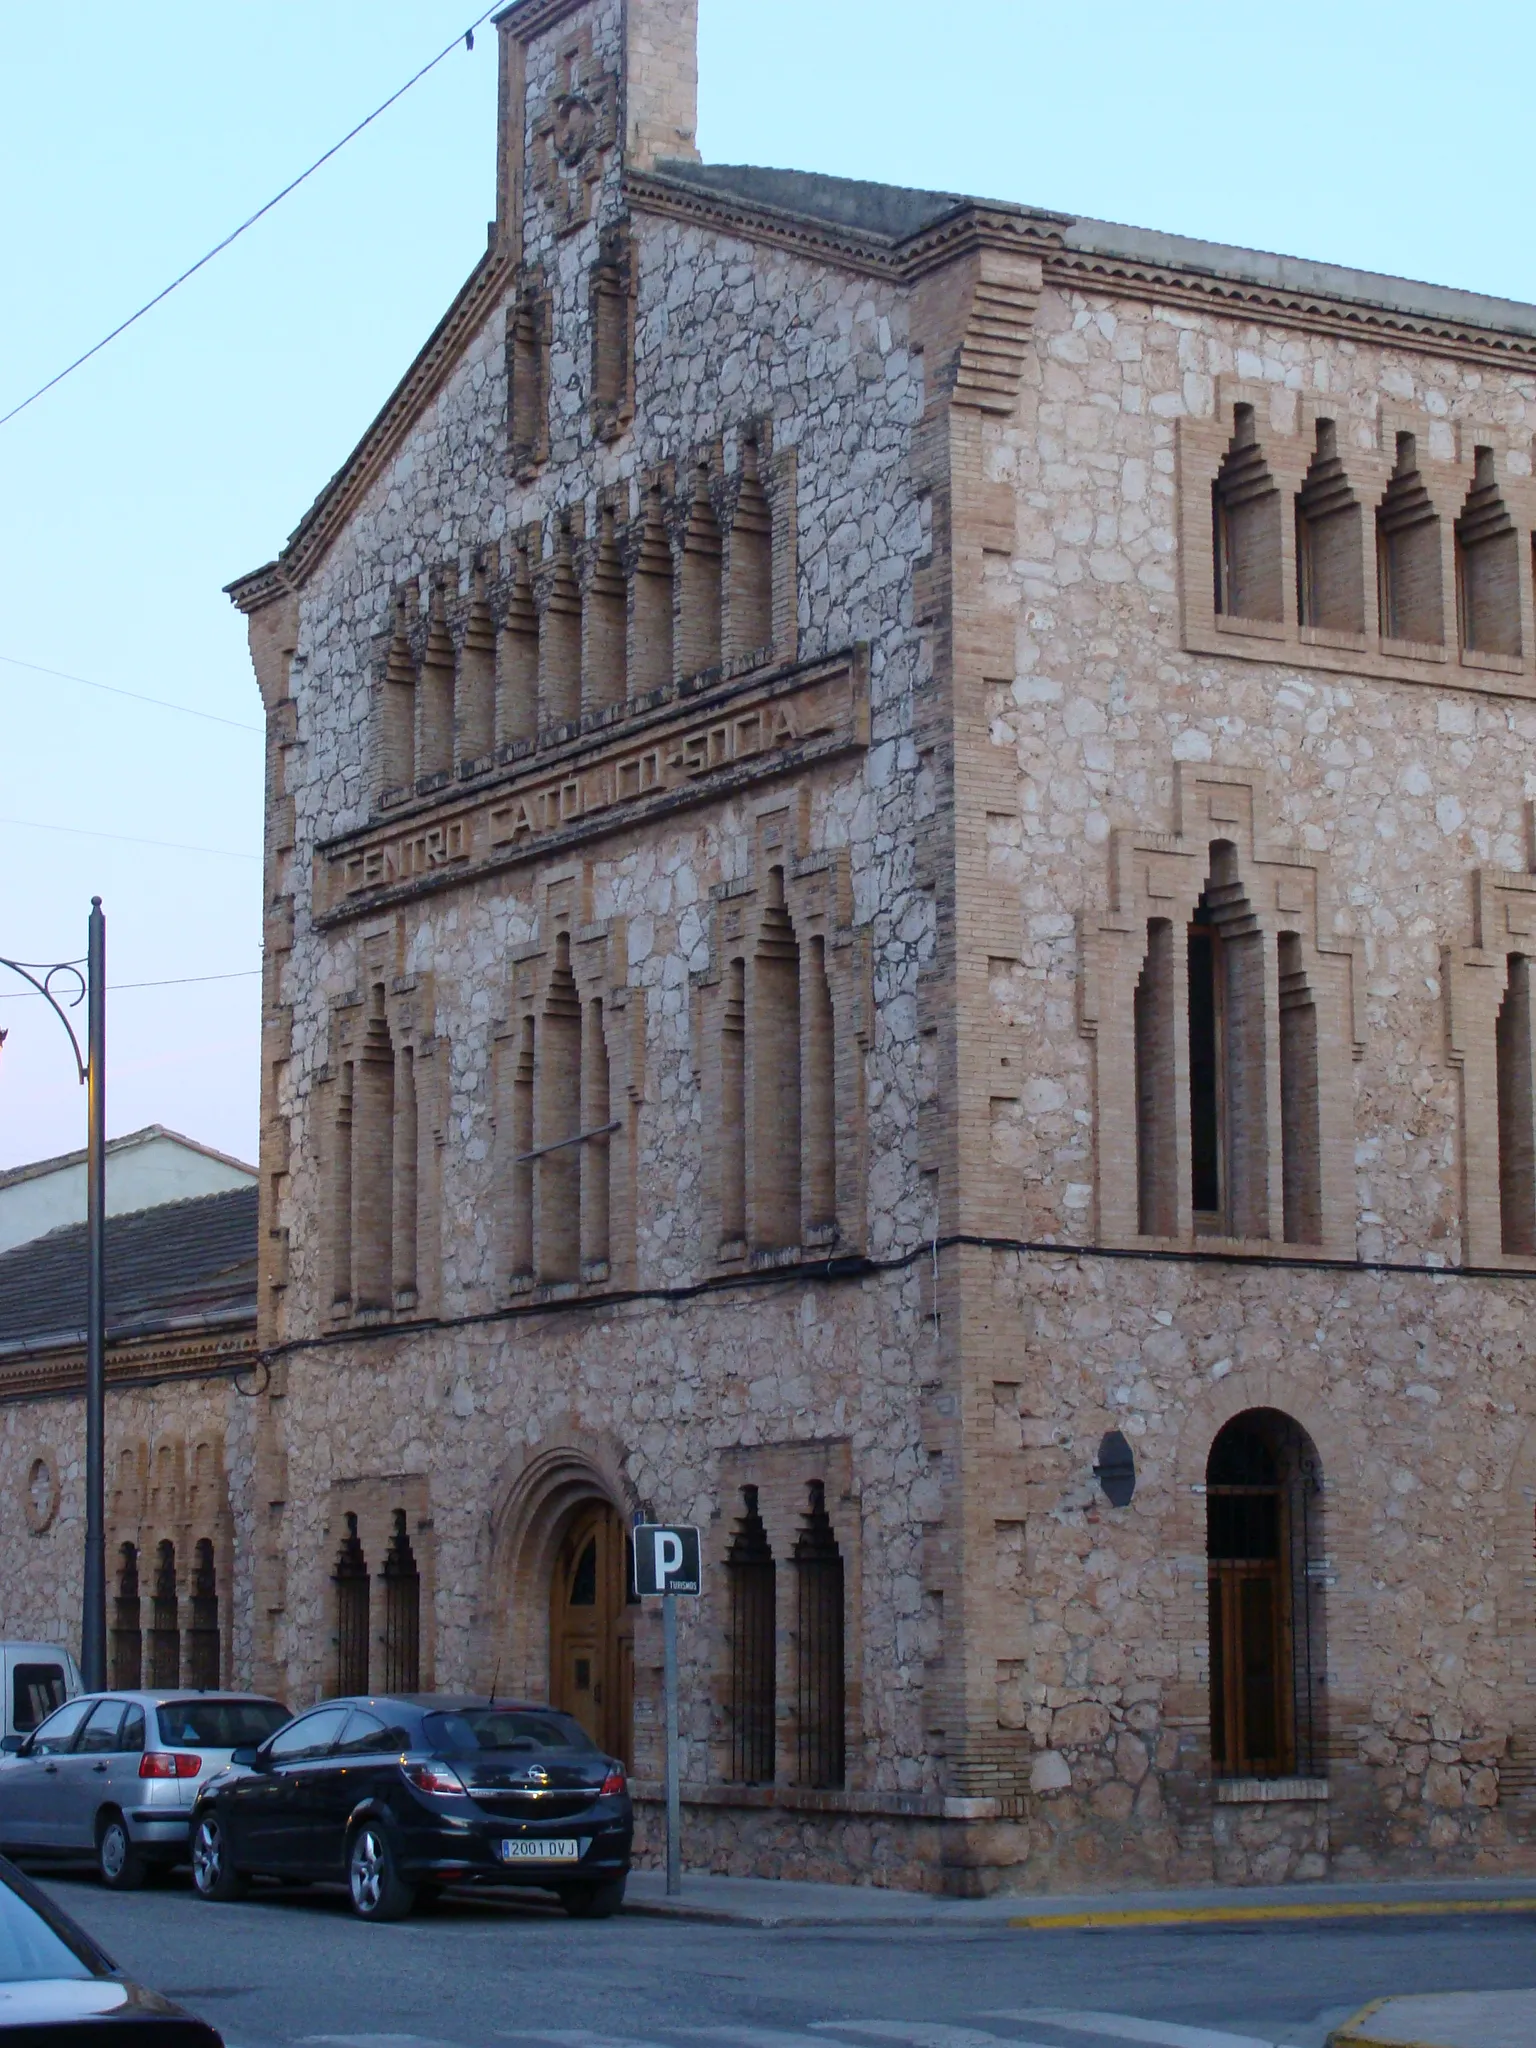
(666, 1558)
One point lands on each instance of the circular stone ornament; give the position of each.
(42, 1492)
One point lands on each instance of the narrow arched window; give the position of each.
(165, 1621)
(1408, 572)
(1245, 508)
(820, 1702)
(203, 1635)
(1515, 1066)
(751, 1576)
(127, 1633)
(1264, 1566)
(559, 1162)
(774, 1052)
(350, 1579)
(402, 1612)
(372, 1162)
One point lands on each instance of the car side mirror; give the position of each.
(249, 1758)
(13, 1745)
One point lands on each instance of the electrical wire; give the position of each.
(128, 839)
(22, 995)
(117, 690)
(465, 36)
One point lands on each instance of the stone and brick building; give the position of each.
(900, 901)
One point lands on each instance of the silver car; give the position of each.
(114, 1775)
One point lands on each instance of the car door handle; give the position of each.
(50, 1768)
(98, 1767)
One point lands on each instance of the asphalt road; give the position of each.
(283, 1969)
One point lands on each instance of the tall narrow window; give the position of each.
(203, 1635)
(1487, 567)
(1408, 576)
(517, 659)
(434, 698)
(475, 688)
(559, 1169)
(1228, 1076)
(595, 1152)
(373, 1147)
(165, 1621)
(819, 1701)
(1157, 1204)
(527, 383)
(603, 624)
(1515, 1051)
(1301, 1145)
(1206, 1177)
(521, 1176)
(818, 1115)
(350, 1579)
(402, 1612)
(650, 626)
(750, 1576)
(699, 626)
(341, 1188)
(127, 1633)
(560, 640)
(1330, 585)
(1262, 1505)
(397, 710)
(612, 320)
(751, 578)
(775, 1053)
(1245, 507)
(732, 1135)
(404, 1186)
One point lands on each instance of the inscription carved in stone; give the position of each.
(602, 783)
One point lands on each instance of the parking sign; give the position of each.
(666, 1558)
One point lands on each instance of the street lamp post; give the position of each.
(90, 988)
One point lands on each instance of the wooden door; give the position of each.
(591, 1629)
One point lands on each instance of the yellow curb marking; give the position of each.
(1185, 1916)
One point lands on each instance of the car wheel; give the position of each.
(597, 1901)
(213, 1875)
(118, 1856)
(378, 1891)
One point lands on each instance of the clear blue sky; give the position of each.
(1391, 136)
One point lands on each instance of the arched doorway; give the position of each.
(1265, 1562)
(592, 1627)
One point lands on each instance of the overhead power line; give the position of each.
(127, 839)
(22, 995)
(465, 36)
(138, 696)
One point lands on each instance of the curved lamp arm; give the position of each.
(41, 975)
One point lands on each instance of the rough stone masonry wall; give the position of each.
(42, 1515)
(726, 335)
(1414, 1390)
(654, 1399)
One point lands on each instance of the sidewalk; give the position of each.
(1450, 2019)
(769, 1902)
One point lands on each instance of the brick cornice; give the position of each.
(1309, 312)
(60, 1368)
(971, 224)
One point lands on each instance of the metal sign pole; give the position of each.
(674, 1797)
(93, 1631)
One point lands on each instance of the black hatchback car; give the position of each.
(396, 1795)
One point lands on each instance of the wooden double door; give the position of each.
(592, 1629)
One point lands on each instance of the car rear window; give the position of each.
(472, 1729)
(220, 1724)
(36, 1689)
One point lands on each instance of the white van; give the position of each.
(36, 1678)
